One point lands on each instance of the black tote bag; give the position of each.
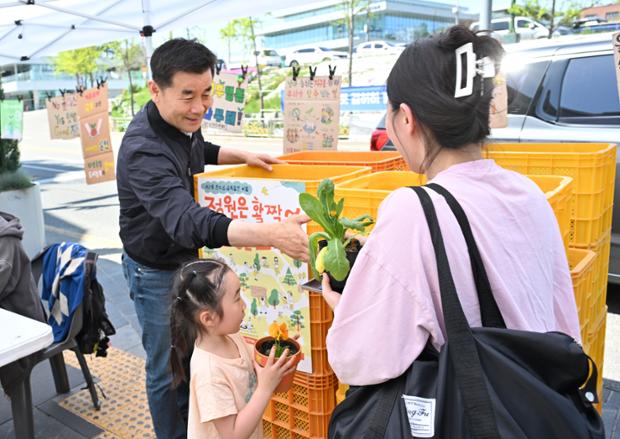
(486, 383)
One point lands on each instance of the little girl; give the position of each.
(226, 399)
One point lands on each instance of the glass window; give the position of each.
(367, 46)
(523, 24)
(589, 90)
(378, 46)
(500, 25)
(522, 84)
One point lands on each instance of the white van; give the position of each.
(527, 28)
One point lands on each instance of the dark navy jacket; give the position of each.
(161, 226)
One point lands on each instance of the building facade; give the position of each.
(323, 23)
(610, 13)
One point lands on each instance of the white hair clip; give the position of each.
(483, 67)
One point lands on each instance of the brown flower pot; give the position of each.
(264, 345)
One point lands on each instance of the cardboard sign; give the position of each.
(229, 95)
(93, 101)
(270, 280)
(99, 168)
(498, 113)
(11, 119)
(615, 38)
(95, 134)
(62, 117)
(311, 114)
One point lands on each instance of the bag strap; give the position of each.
(464, 355)
(389, 392)
(489, 311)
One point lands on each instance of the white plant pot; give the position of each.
(26, 205)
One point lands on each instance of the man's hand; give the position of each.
(290, 238)
(331, 297)
(262, 161)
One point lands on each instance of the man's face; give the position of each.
(185, 101)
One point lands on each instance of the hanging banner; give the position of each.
(270, 280)
(229, 94)
(92, 109)
(62, 117)
(95, 134)
(99, 168)
(11, 119)
(93, 101)
(311, 114)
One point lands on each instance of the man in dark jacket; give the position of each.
(161, 226)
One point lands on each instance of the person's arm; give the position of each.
(287, 236)
(243, 424)
(231, 156)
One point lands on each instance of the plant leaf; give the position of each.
(312, 247)
(340, 207)
(312, 206)
(336, 262)
(360, 226)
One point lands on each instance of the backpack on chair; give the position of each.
(96, 327)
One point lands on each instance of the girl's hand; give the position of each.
(331, 297)
(270, 376)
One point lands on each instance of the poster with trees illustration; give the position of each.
(311, 114)
(270, 280)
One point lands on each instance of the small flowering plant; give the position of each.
(278, 338)
(279, 333)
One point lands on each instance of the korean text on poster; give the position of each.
(269, 279)
(11, 119)
(62, 117)
(226, 112)
(311, 114)
(93, 101)
(95, 134)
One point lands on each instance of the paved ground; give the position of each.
(89, 215)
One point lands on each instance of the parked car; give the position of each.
(313, 55)
(378, 48)
(525, 27)
(269, 57)
(560, 90)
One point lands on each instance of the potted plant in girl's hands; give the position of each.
(278, 338)
(336, 252)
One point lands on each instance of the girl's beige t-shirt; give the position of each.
(219, 387)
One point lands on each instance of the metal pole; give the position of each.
(148, 39)
(485, 15)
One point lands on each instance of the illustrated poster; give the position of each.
(11, 119)
(226, 112)
(93, 101)
(62, 117)
(95, 134)
(615, 38)
(99, 168)
(498, 113)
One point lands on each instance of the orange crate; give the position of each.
(559, 193)
(598, 299)
(363, 195)
(302, 412)
(582, 265)
(594, 346)
(591, 165)
(377, 160)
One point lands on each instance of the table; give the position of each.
(20, 337)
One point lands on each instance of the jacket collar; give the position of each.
(163, 128)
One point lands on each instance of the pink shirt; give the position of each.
(391, 304)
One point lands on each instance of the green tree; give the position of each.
(256, 262)
(289, 279)
(243, 279)
(82, 63)
(297, 320)
(254, 307)
(128, 57)
(228, 33)
(352, 8)
(245, 29)
(297, 263)
(540, 12)
(274, 298)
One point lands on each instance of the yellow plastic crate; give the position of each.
(591, 165)
(594, 346)
(363, 195)
(377, 160)
(582, 265)
(311, 176)
(559, 192)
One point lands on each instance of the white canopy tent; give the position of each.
(31, 29)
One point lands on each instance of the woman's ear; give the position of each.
(408, 119)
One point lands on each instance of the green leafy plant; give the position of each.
(326, 212)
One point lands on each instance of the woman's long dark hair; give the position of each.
(197, 286)
(424, 78)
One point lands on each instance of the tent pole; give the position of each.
(147, 32)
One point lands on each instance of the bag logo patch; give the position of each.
(421, 414)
